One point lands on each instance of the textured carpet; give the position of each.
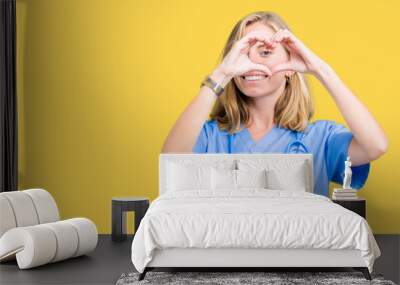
(225, 278)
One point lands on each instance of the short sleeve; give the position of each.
(336, 151)
(201, 144)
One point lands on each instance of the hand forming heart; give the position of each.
(237, 61)
(301, 59)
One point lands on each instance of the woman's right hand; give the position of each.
(237, 61)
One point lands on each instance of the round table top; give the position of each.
(130, 198)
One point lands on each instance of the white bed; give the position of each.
(202, 220)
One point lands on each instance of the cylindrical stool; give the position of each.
(121, 205)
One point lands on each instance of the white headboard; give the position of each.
(213, 158)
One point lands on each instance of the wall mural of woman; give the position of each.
(259, 102)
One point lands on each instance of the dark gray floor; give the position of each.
(102, 266)
(111, 259)
(389, 262)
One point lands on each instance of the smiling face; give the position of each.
(261, 54)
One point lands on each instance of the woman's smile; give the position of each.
(254, 76)
(251, 79)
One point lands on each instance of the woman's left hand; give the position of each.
(301, 58)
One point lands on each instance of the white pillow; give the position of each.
(187, 177)
(237, 179)
(251, 178)
(282, 174)
(291, 179)
(223, 178)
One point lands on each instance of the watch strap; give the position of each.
(208, 81)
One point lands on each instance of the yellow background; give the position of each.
(100, 84)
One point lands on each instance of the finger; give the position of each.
(282, 67)
(278, 35)
(260, 38)
(253, 37)
(285, 36)
(268, 44)
(246, 49)
(298, 47)
(246, 45)
(261, 67)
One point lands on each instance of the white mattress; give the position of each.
(250, 218)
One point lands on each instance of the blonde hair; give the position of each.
(293, 109)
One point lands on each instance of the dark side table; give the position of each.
(119, 207)
(357, 205)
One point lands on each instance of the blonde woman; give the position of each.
(265, 106)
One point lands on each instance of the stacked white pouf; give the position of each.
(31, 231)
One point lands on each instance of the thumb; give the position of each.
(262, 67)
(281, 67)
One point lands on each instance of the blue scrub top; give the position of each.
(327, 140)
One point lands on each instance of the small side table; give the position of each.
(119, 207)
(356, 205)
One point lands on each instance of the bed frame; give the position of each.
(248, 259)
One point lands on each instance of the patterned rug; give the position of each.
(273, 278)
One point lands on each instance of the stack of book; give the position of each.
(344, 194)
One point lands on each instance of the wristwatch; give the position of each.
(208, 81)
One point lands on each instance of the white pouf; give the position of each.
(31, 232)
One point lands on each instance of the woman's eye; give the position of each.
(266, 52)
